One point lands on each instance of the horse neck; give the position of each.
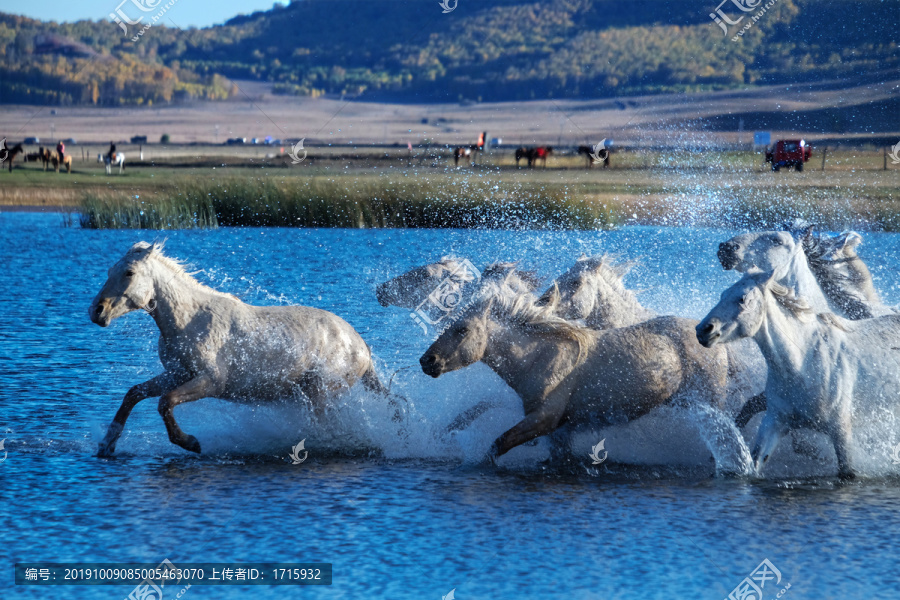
(178, 300)
(800, 278)
(784, 340)
(516, 356)
(615, 306)
(862, 278)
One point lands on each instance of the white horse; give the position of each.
(119, 160)
(820, 366)
(213, 345)
(826, 272)
(593, 291)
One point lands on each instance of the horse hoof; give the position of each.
(106, 451)
(192, 444)
(846, 475)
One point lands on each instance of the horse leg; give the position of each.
(771, 430)
(157, 386)
(841, 434)
(199, 387)
(754, 405)
(545, 419)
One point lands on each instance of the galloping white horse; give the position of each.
(820, 366)
(120, 160)
(213, 345)
(826, 272)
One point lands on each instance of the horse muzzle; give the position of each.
(99, 314)
(432, 365)
(709, 332)
(728, 255)
(384, 294)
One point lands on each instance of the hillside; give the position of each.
(408, 50)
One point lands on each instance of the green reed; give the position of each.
(350, 202)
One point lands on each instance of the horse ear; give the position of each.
(850, 240)
(808, 232)
(552, 296)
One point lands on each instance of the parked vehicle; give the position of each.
(139, 139)
(788, 153)
(234, 141)
(32, 141)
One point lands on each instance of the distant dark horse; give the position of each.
(523, 152)
(540, 154)
(8, 154)
(533, 155)
(588, 153)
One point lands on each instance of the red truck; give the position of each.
(788, 153)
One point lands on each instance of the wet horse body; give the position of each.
(571, 375)
(820, 366)
(213, 345)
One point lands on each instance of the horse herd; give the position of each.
(51, 157)
(44, 155)
(802, 336)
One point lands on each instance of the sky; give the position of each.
(185, 13)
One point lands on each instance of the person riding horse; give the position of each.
(61, 150)
(112, 152)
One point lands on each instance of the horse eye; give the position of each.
(777, 241)
(129, 273)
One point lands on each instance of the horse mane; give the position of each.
(841, 289)
(613, 274)
(177, 267)
(526, 280)
(787, 298)
(520, 308)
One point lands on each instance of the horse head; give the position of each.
(129, 286)
(413, 287)
(743, 307)
(582, 287)
(461, 344)
(766, 251)
(464, 342)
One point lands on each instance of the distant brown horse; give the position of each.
(533, 155)
(66, 160)
(9, 154)
(465, 152)
(44, 154)
(541, 153)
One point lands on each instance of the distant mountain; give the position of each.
(482, 50)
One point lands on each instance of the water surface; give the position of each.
(399, 516)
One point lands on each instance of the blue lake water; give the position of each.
(411, 516)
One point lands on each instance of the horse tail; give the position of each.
(400, 404)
